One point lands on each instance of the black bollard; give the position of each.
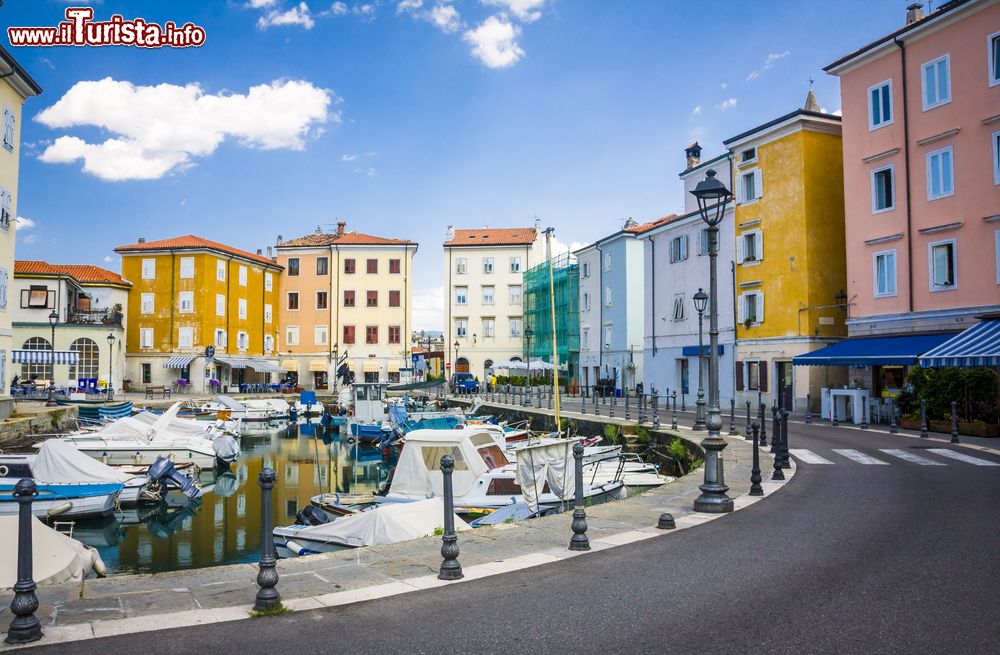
(954, 422)
(666, 521)
(641, 411)
(627, 416)
(683, 401)
(656, 410)
(268, 597)
(762, 417)
(893, 426)
(611, 407)
(450, 567)
(778, 474)
(748, 417)
(732, 416)
(550, 397)
(923, 419)
(864, 419)
(25, 627)
(579, 540)
(755, 488)
(673, 419)
(583, 400)
(597, 407)
(775, 431)
(809, 416)
(785, 464)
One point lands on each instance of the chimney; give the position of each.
(278, 243)
(142, 239)
(270, 253)
(341, 228)
(451, 233)
(260, 253)
(319, 230)
(914, 13)
(693, 154)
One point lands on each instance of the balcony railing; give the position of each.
(94, 317)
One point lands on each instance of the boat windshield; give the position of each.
(432, 457)
(493, 456)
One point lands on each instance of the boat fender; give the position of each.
(98, 565)
(59, 509)
(295, 548)
(351, 440)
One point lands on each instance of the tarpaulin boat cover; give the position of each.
(55, 557)
(418, 472)
(386, 524)
(60, 461)
(550, 462)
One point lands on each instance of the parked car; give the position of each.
(464, 383)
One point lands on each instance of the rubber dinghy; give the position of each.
(55, 557)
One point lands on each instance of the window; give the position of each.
(883, 192)
(268, 313)
(220, 270)
(993, 52)
(880, 105)
(293, 266)
(751, 186)
(8, 129)
(678, 307)
(514, 293)
(348, 298)
(460, 265)
(322, 299)
(147, 373)
(487, 264)
(268, 282)
(371, 266)
(145, 337)
(186, 302)
(753, 376)
(586, 301)
(885, 273)
(607, 337)
(394, 299)
(750, 247)
(461, 295)
(936, 78)
(679, 248)
(145, 303)
(585, 339)
(940, 174)
(348, 334)
(461, 327)
(371, 334)
(349, 266)
(322, 266)
(220, 338)
(220, 305)
(149, 269)
(185, 337)
(748, 155)
(515, 323)
(187, 267)
(4, 277)
(321, 335)
(242, 340)
(607, 296)
(6, 208)
(703, 242)
(293, 300)
(394, 266)
(268, 343)
(40, 370)
(607, 261)
(394, 334)
(586, 269)
(87, 359)
(489, 327)
(243, 276)
(372, 299)
(292, 335)
(38, 297)
(996, 157)
(488, 292)
(515, 264)
(942, 266)
(241, 308)
(751, 308)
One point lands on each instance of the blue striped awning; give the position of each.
(179, 361)
(873, 351)
(264, 366)
(977, 346)
(44, 357)
(231, 362)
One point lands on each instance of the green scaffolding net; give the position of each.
(538, 314)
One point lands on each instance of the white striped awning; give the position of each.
(372, 367)
(179, 361)
(232, 362)
(977, 346)
(289, 365)
(44, 357)
(318, 366)
(264, 366)
(392, 366)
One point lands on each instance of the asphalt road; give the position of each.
(848, 558)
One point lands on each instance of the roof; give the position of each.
(803, 113)
(18, 70)
(82, 273)
(192, 242)
(345, 239)
(651, 225)
(903, 31)
(497, 236)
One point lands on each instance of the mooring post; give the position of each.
(611, 407)
(597, 406)
(954, 422)
(748, 417)
(683, 401)
(656, 410)
(579, 540)
(268, 597)
(785, 464)
(762, 417)
(732, 416)
(673, 418)
(809, 416)
(628, 417)
(25, 627)
(923, 419)
(755, 478)
(451, 569)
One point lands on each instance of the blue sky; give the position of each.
(403, 117)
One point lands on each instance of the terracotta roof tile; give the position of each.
(652, 225)
(503, 236)
(190, 241)
(84, 273)
(345, 239)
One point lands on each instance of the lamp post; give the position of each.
(53, 320)
(713, 196)
(111, 365)
(700, 300)
(528, 333)
(334, 360)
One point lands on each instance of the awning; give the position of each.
(692, 351)
(179, 361)
(289, 365)
(977, 346)
(264, 366)
(44, 357)
(231, 362)
(873, 351)
(318, 365)
(392, 366)
(372, 367)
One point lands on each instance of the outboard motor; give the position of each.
(163, 471)
(326, 420)
(293, 414)
(311, 515)
(227, 450)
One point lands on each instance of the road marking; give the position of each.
(858, 456)
(911, 457)
(808, 456)
(944, 452)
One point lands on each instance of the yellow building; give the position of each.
(788, 179)
(15, 87)
(192, 298)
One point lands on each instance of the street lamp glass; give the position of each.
(700, 301)
(456, 344)
(111, 339)
(712, 198)
(53, 318)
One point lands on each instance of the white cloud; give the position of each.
(371, 172)
(769, 62)
(297, 15)
(723, 86)
(346, 157)
(366, 10)
(409, 5)
(446, 18)
(838, 112)
(558, 247)
(338, 9)
(494, 42)
(160, 129)
(108, 259)
(24, 223)
(728, 103)
(694, 112)
(259, 4)
(428, 309)
(524, 10)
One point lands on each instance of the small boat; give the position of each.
(56, 557)
(73, 500)
(307, 405)
(98, 411)
(251, 409)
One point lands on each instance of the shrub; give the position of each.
(975, 390)
(678, 450)
(611, 432)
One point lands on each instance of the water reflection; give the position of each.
(223, 526)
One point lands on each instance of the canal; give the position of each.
(223, 526)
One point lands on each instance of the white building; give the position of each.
(676, 266)
(483, 280)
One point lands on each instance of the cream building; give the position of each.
(345, 301)
(483, 275)
(15, 87)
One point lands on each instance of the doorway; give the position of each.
(786, 395)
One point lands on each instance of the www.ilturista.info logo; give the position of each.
(80, 29)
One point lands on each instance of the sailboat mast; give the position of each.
(555, 338)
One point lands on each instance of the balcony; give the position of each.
(108, 317)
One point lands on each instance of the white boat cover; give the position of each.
(550, 462)
(60, 461)
(386, 524)
(185, 427)
(229, 402)
(418, 472)
(55, 557)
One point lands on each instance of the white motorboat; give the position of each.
(251, 409)
(56, 557)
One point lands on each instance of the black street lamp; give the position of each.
(111, 369)
(335, 360)
(700, 300)
(53, 320)
(713, 196)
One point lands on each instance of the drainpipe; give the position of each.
(447, 328)
(652, 290)
(906, 162)
(600, 310)
(173, 260)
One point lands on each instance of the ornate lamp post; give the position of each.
(111, 366)
(53, 321)
(713, 196)
(700, 300)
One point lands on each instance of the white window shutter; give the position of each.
(760, 245)
(741, 309)
(758, 182)
(684, 247)
(760, 306)
(739, 250)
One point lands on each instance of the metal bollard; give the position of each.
(785, 464)
(628, 417)
(641, 410)
(268, 597)
(597, 407)
(549, 390)
(762, 417)
(809, 416)
(732, 416)
(673, 418)
(893, 427)
(954, 422)
(923, 419)
(683, 401)
(611, 407)
(656, 411)
(25, 627)
(778, 474)
(579, 540)
(748, 417)
(755, 488)
(775, 431)
(864, 419)
(450, 567)
(583, 400)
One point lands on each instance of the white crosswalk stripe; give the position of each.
(808, 456)
(859, 457)
(961, 457)
(911, 457)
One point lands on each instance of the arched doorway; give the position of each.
(88, 363)
(462, 365)
(486, 369)
(36, 371)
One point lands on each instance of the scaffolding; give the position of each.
(538, 313)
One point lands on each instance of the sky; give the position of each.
(403, 117)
